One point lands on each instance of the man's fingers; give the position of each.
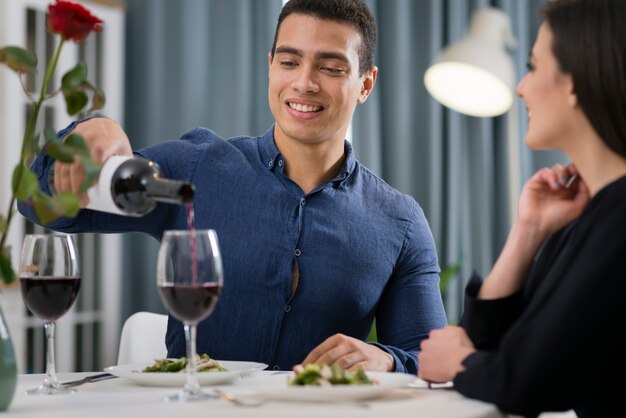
(339, 354)
(358, 365)
(318, 351)
(351, 360)
(61, 177)
(77, 176)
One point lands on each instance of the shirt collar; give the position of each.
(267, 148)
(272, 157)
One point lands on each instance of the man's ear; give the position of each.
(369, 79)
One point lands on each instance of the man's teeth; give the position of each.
(304, 108)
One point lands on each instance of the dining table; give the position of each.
(119, 397)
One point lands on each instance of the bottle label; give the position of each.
(100, 195)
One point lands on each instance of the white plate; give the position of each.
(276, 387)
(234, 369)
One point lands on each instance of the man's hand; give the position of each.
(350, 354)
(442, 354)
(104, 138)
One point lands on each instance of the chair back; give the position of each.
(143, 338)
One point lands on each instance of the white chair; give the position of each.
(143, 338)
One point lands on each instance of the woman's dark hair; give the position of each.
(353, 12)
(589, 43)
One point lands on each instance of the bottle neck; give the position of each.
(169, 191)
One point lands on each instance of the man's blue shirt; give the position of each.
(359, 248)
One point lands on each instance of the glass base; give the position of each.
(190, 396)
(47, 389)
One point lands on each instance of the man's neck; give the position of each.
(311, 165)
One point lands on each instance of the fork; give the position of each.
(238, 400)
(92, 378)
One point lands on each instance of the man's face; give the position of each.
(314, 83)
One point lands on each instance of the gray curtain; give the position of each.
(204, 63)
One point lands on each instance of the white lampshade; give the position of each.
(476, 76)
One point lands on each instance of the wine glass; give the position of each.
(190, 279)
(49, 280)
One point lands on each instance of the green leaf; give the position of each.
(373, 337)
(65, 203)
(75, 77)
(75, 101)
(77, 144)
(60, 152)
(447, 274)
(6, 271)
(18, 59)
(25, 182)
(92, 171)
(50, 134)
(43, 209)
(98, 100)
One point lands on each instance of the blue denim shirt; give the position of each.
(363, 251)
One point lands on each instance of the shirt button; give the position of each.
(280, 163)
(302, 201)
(298, 252)
(287, 308)
(276, 367)
(271, 164)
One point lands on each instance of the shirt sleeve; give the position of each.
(411, 305)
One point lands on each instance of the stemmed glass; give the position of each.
(50, 280)
(190, 279)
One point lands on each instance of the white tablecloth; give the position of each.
(117, 398)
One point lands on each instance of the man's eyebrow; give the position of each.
(289, 50)
(332, 56)
(318, 56)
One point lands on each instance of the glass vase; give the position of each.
(8, 366)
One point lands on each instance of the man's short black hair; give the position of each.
(353, 12)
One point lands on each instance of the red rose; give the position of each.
(72, 21)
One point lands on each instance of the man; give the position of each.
(314, 245)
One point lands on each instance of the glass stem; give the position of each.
(51, 375)
(192, 386)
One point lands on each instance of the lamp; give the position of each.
(475, 76)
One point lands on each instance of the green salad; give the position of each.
(174, 365)
(323, 375)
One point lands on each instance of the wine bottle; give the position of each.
(133, 186)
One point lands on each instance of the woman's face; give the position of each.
(548, 93)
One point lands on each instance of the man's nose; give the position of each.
(306, 80)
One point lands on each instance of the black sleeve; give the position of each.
(486, 320)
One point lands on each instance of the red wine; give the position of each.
(191, 223)
(49, 297)
(190, 303)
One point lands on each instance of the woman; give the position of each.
(545, 330)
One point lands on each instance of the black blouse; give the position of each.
(560, 342)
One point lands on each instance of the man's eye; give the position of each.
(333, 70)
(288, 64)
